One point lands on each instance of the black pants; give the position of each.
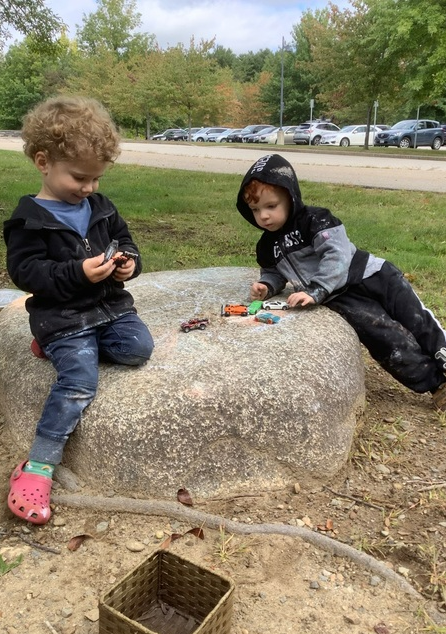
(400, 333)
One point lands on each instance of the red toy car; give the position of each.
(194, 324)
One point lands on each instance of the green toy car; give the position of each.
(254, 307)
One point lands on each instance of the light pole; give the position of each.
(280, 134)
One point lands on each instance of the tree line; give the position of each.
(378, 57)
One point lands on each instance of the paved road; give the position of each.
(419, 174)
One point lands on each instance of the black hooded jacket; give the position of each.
(44, 257)
(312, 250)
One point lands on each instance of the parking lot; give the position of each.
(368, 170)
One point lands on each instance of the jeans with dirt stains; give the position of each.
(76, 357)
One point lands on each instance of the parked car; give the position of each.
(443, 125)
(310, 132)
(271, 137)
(223, 137)
(172, 134)
(266, 318)
(349, 135)
(203, 134)
(254, 137)
(249, 129)
(275, 304)
(402, 134)
(212, 136)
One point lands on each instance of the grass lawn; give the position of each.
(187, 220)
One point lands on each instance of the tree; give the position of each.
(28, 76)
(29, 17)
(113, 27)
(194, 83)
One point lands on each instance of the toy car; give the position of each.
(194, 324)
(275, 304)
(267, 318)
(254, 307)
(234, 309)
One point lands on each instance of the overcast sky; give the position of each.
(241, 25)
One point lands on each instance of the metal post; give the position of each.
(375, 107)
(416, 129)
(311, 109)
(280, 134)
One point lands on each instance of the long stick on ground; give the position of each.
(179, 512)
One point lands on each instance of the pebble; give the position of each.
(101, 527)
(381, 468)
(297, 487)
(374, 580)
(403, 571)
(159, 534)
(59, 521)
(92, 615)
(134, 546)
(314, 585)
(66, 612)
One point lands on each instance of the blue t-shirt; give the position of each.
(77, 217)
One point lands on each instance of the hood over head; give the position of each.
(274, 170)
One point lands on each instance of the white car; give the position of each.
(349, 135)
(275, 304)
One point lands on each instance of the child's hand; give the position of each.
(258, 291)
(96, 270)
(300, 299)
(124, 271)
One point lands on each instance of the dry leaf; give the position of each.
(198, 532)
(184, 497)
(77, 541)
(329, 525)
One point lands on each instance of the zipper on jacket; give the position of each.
(87, 244)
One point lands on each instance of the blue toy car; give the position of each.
(266, 318)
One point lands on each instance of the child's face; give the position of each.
(68, 181)
(272, 209)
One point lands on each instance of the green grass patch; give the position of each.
(182, 219)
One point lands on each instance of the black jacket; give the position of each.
(44, 257)
(312, 250)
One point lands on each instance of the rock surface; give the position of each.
(238, 405)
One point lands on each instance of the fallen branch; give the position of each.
(353, 499)
(177, 511)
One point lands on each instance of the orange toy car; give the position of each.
(234, 309)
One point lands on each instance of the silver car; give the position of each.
(271, 137)
(310, 133)
(275, 304)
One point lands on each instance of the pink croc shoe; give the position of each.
(29, 496)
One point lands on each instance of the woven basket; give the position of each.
(167, 594)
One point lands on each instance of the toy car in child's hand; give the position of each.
(119, 260)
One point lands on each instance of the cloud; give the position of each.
(241, 25)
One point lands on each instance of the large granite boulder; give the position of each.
(238, 405)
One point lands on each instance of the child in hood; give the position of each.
(308, 248)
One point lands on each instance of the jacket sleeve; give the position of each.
(335, 252)
(273, 280)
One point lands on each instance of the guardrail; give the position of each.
(10, 133)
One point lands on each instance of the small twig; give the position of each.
(47, 549)
(51, 628)
(440, 485)
(357, 500)
(229, 499)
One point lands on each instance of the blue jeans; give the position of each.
(126, 341)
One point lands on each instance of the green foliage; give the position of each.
(6, 567)
(30, 17)
(113, 28)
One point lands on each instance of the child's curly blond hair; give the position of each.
(68, 128)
